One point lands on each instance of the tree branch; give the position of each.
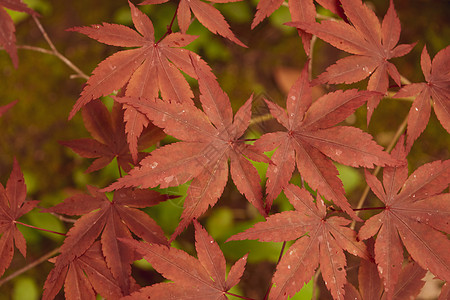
(29, 266)
(54, 51)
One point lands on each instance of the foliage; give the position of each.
(174, 147)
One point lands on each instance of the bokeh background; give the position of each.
(47, 90)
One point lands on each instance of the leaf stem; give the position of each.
(54, 51)
(169, 27)
(266, 296)
(397, 135)
(238, 296)
(29, 266)
(31, 226)
(358, 209)
(118, 167)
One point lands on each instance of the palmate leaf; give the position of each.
(109, 139)
(84, 277)
(7, 29)
(321, 240)
(208, 140)
(206, 14)
(407, 287)
(312, 139)
(371, 43)
(414, 216)
(112, 219)
(12, 207)
(193, 278)
(300, 10)
(437, 87)
(145, 71)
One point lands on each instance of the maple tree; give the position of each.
(175, 141)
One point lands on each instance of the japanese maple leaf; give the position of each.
(111, 219)
(300, 10)
(7, 29)
(6, 107)
(320, 240)
(373, 45)
(208, 140)
(193, 278)
(206, 14)
(108, 131)
(437, 87)
(414, 215)
(311, 136)
(12, 207)
(408, 286)
(146, 70)
(84, 277)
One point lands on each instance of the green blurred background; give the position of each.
(46, 90)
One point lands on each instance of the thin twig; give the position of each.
(62, 218)
(310, 62)
(260, 119)
(54, 51)
(27, 267)
(394, 140)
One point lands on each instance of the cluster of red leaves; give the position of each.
(98, 251)
(371, 43)
(112, 220)
(7, 29)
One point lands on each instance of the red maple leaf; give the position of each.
(193, 278)
(12, 207)
(301, 11)
(208, 140)
(108, 131)
(205, 13)
(84, 277)
(112, 219)
(311, 136)
(320, 240)
(7, 29)
(372, 44)
(6, 107)
(408, 286)
(143, 71)
(414, 215)
(437, 87)
(370, 286)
